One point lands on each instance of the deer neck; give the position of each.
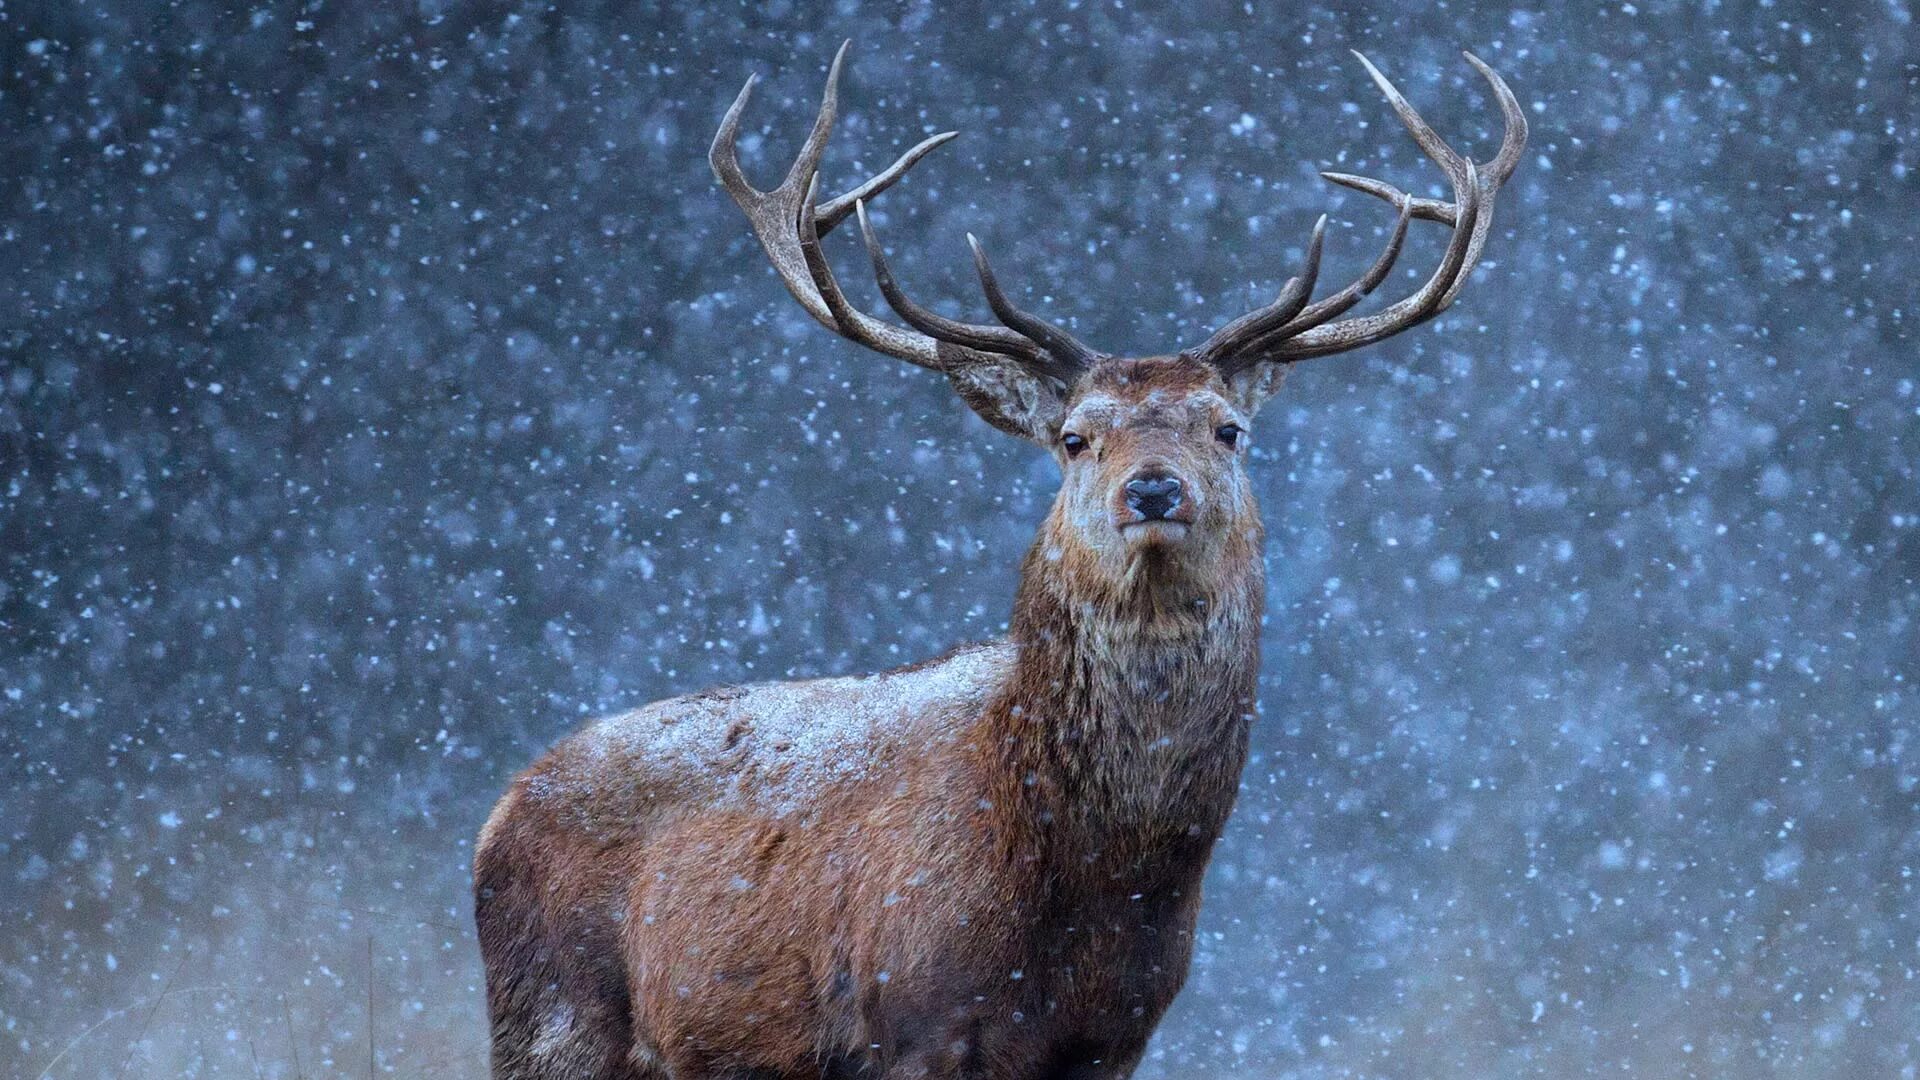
(1124, 728)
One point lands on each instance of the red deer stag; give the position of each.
(986, 864)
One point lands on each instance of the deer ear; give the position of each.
(1011, 398)
(1253, 386)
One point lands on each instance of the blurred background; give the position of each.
(387, 389)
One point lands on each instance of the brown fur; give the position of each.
(987, 865)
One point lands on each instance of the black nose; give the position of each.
(1153, 495)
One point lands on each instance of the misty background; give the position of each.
(385, 390)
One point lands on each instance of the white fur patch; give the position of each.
(556, 1032)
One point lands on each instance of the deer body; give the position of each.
(984, 865)
(974, 869)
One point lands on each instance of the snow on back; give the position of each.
(776, 745)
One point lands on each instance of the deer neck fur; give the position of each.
(1123, 730)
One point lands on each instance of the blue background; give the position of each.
(385, 390)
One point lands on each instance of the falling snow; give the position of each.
(387, 390)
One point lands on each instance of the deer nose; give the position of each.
(1153, 495)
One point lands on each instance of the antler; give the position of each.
(1290, 329)
(789, 225)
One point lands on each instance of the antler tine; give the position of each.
(1293, 296)
(994, 339)
(772, 215)
(1469, 214)
(724, 154)
(835, 210)
(807, 163)
(853, 324)
(1428, 139)
(1064, 348)
(1336, 305)
(1427, 209)
(789, 224)
(1494, 173)
(1513, 142)
(1408, 312)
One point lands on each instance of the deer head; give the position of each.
(1152, 450)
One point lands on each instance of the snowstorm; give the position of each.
(389, 390)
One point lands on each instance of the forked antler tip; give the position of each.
(1288, 329)
(789, 222)
(1283, 333)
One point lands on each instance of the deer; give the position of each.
(988, 863)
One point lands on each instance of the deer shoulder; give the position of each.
(775, 750)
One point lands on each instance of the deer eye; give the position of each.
(1073, 444)
(1229, 434)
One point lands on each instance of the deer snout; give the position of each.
(1153, 494)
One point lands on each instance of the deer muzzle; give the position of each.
(1154, 502)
